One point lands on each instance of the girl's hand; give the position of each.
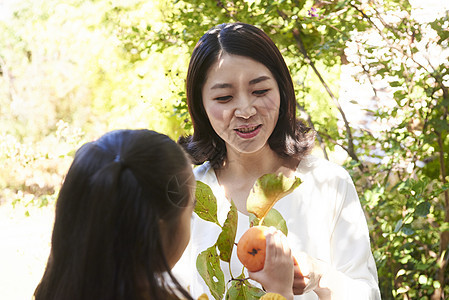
(277, 274)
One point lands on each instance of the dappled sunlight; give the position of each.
(69, 72)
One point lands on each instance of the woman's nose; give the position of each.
(245, 109)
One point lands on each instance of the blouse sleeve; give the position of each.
(353, 273)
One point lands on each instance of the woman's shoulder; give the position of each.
(204, 172)
(321, 168)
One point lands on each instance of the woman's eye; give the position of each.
(224, 98)
(260, 92)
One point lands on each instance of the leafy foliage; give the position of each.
(399, 160)
(272, 218)
(267, 190)
(123, 64)
(73, 65)
(242, 290)
(206, 264)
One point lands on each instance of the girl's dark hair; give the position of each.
(106, 241)
(290, 136)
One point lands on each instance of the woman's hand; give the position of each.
(299, 282)
(307, 275)
(277, 274)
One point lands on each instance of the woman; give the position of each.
(123, 220)
(242, 104)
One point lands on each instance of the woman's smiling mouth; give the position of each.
(248, 132)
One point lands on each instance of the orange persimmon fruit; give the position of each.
(251, 248)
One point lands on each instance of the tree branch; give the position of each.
(444, 236)
(390, 45)
(300, 44)
(9, 79)
(318, 135)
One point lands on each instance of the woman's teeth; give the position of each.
(247, 129)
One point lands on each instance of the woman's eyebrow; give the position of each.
(259, 79)
(228, 85)
(221, 86)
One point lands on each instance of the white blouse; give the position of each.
(324, 219)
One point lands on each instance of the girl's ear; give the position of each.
(163, 229)
(164, 234)
(167, 234)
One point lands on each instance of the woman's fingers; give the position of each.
(277, 274)
(299, 281)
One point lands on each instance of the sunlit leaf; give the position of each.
(252, 292)
(235, 290)
(208, 266)
(267, 190)
(398, 226)
(206, 203)
(226, 239)
(273, 218)
(444, 226)
(243, 290)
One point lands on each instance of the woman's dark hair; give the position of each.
(290, 136)
(106, 241)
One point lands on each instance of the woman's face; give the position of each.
(241, 99)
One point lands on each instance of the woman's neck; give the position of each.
(252, 165)
(245, 168)
(241, 170)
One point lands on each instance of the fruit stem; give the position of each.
(230, 271)
(239, 279)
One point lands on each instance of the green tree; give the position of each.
(400, 165)
(65, 69)
(71, 70)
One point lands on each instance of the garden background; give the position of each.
(371, 77)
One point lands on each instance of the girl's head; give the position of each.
(122, 219)
(248, 41)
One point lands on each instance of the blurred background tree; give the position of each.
(67, 66)
(371, 77)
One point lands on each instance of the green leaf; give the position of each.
(208, 265)
(226, 239)
(235, 290)
(206, 203)
(407, 229)
(422, 209)
(400, 273)
(395, 84)
(444, 226)
(398, 226)
(267, 190)
(243, 290)
(273, 218)
(252, 292)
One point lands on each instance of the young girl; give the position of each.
(123, 220)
